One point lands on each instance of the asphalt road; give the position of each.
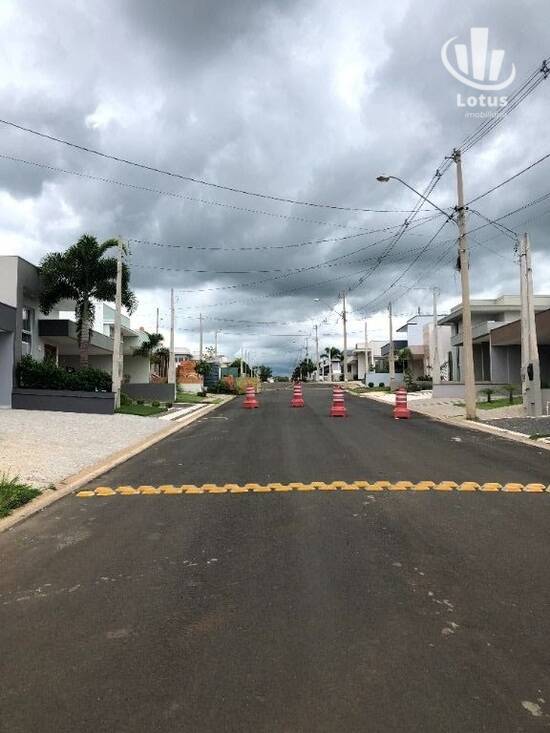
(286, 612)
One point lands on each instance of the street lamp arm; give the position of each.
(386, 179)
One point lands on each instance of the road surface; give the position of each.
(286, 611)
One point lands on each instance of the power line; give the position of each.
(511, 178)
(182, 177)
(185, 197)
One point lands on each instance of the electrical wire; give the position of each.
(182, 177)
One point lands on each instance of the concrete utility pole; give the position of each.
(117, 340)
(367, 364)
(345, 322)
(157, 321)
(216, 344)
(467, 366)
(436, 363)
(391, 357)
(241, 367)
(172, 356)
(200, 336)
(530, 368)
(317, 352)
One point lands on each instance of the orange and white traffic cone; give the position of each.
(297, 396)
(250, 400)
(338, 407)
(401, 411)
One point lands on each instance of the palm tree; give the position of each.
(148, 347)
(81, 273)
(331, 352)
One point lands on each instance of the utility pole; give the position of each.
(367, 365)
(216, 344)
(117, 341)
(436, 364)
(200, 336)
(241, 367)
(317, 351)
(530, 367)
(345, 322)
(391, 356)
(172, 356)
(157, 321)
(467, 366)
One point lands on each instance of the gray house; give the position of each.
(25, 330)
(496, 342)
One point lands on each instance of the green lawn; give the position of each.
(142, 410)
(189, 397)
(499, 402)
(14, 493)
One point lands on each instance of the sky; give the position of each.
(304, 100)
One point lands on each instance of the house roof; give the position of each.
(509, 334)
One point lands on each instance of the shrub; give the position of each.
(381, 384)
(46, 374)
(168, 405)
(371, 384)
(125, 400)
(155, 403)
(140, 402)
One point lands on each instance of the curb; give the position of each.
(76, 480)
(471, 425)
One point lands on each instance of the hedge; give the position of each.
(33, 374)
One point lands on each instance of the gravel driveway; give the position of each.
(44, 447)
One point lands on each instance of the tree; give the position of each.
(148, 347)
(332, 353)
(82, 273)
(303, 370)
(161, 358)
(404, 357)
(265, 372)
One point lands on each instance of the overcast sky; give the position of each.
(302, 100)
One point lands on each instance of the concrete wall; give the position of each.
(448, 390)
(506, 364)
(377, 377)
(6, 367)
(150, 392)
(61, 400)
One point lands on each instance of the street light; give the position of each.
(387, 179)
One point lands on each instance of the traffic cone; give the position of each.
(338, 407)
(250, 400)
(297, 396)
(401, 411)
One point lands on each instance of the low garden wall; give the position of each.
(150, 392)
(62, 400)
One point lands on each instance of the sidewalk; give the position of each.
(43, 448)
(508, 420)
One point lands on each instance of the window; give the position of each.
(26, 330)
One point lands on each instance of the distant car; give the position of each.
(270, 380)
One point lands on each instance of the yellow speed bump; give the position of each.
(512, 488)
(214, 489)
(191, 489)
(493, 487)
(236, 489)
(401, 486)
(380, 486)
(281, 487)
(170, 489)
(361, 484)
(445, 486)
(148, 490)
(307, 487)
(535, 488)
(104, 491)
(126, 491)
(85, 494)
(468, 486)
